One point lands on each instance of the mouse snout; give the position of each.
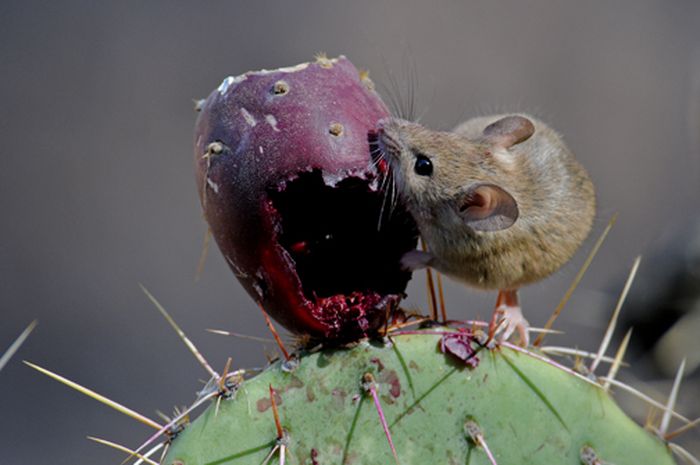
(385, 139)
(389, 125)
(381, 124)
(387, 145)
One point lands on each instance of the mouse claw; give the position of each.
(416, 259)
(508, 318)
(511, 320)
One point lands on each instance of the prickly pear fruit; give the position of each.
(438, 410)
(294, 201)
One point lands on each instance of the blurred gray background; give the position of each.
(97, 189)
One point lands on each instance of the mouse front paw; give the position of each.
(416, 259)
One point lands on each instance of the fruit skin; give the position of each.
(529, 412)
(254, 134)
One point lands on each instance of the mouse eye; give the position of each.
(423, 166)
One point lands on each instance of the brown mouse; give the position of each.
(500, 201)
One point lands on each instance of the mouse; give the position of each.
(500, 201)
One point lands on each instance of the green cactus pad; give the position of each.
(527, 411)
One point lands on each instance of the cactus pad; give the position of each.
(438, 410)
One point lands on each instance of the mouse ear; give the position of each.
(509, 131)
(487, 207)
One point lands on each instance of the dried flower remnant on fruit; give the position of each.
(365, 79)
(323, 61)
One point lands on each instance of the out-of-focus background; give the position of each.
(97, 189)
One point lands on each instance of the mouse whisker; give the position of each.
(412, 85)
(394, 197)
(377, 156)
(391, 98)
(382, 187)
(394, 92)
(388, 187)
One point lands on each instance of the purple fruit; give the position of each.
(294, 200)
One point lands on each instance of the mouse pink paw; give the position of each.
(513, 320)
(510, 320)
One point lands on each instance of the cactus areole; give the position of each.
(295, 202)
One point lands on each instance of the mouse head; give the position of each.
(444, 176)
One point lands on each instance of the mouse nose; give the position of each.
(374, 133)
(382, 124)
(378, 133)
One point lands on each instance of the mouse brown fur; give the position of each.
(505, 203)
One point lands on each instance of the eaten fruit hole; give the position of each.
(335, 239)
